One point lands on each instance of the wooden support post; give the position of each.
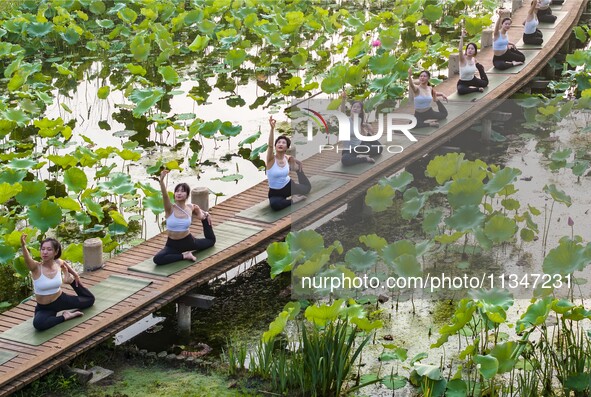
(453, 65)
(183, 318)
(486, 39)
(184, 305)
(93, 254)
(486, 130)
(200, 196)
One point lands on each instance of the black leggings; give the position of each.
(468, 86)
(278, 198)
(350, 157)
(505, 61)
(431, 114)
(173, 250)
(46, 315)
(546, 15)
(533, 38)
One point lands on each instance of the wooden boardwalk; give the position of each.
(32, 362)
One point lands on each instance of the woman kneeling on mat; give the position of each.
(281, 187)
(180, 242)
(506, 54)
(354, 150)
(531, 33)
(544, 12)
(47, 281)
(424, 96)
(468, 65)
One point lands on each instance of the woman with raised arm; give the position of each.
(48, 277)
(355, 151)
(284, 192)
(544, 12)
(468, 82)
(531, 33)
(424, 96)
(506, 54)
(179, 216)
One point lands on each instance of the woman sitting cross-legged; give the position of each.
(506, 54)
(424, 96)
(468, 82)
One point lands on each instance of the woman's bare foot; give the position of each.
(370, 160)
(189, 256)
(299, 166)
(480, 89)
(70, 315)
(517, 63)
(296, 198)
(433, 124)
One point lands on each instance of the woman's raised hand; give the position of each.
(272, 122)
(23, 239)
(163, 174)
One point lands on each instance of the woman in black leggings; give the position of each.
(179, 216)
(468, 82)
(47, 280)
(506, 54)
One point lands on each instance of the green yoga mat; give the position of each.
(529, 55)
(108, 293)
(454, 110)
(494, 80)
(548, 33)
(321, 186)
(6, 356)
(227, 234)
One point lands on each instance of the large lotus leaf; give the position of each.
(456, 388)
(74, 253)
(433, 12)
(103, 92)
(129, 155)
(209, 128)
(558, 195)
(119, 183)
(506, 356)
(276, 327)
(7, 254)
(97, 7)
(39, 29)
(492, 297)
(472, 169)
(11, 176)
(394, 353)
(75, 179)
(127, 15)
(17, 115)
(443, 168)
(466, 218)
(366, 325)
(94, 209)
(432, 372)
(154, 203)
(234, 58)
(136, 69)
(332, 84)
(488, 366)
(312, 266)
(500, 229)
(145, 99)
(68, 204)
(308, 242)
(8, 191)
(323, 314)
(169, 75)
(382, 64)
(580, 167)
(413, 203)
(360, 260)
(118, 218)
(279, 258)
(230, 130)
(399, 182)
(565, 259)
(379, 198)
(501, 179)
(353, 311)
(31, 193)
(70, 36)
(373, 241)
(535, 314)
(483, 241)
(45, 215)
(431, 221)
(449, 238)
(140, 48)
(193, 16)
(465, 192)
(407, 266)
(398, 248)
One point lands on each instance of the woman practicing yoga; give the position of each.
(47, 281)
(531, 33)
(281, 187)
(468, 65)
(355, 151)
(180, 242)
(424, 96)
(544, 11)
(505, 54)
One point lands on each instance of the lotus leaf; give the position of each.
(8, 191)
(127, 15)
(565, 259)
(97, 7)
(145, 99)
(432, 372)
(234, 58)
(103, 92)
(500, 229)
(443, 168)
(462, 316)
(308, 242)
(360, 260)
(7, 254)
(382, 64)
(466, 218)
(511, 204)
(193, 16)
(68, 204)
(230, 130)
(45, 215)
(140, 48)
(433, 12)
(119, 183)
(431, 220)
(118, 218)
(558, 195)
(413, 203)
(154, 203)
(465, 192)
(407, 266)
(395, 353)
(17, 115)
(276, 327)
(75, 179)
(323, 314)
(472, 169)
(199, 44)
(39, 29)
(379, 198)
(456, 388)
(366, 325)
(32, 193)
(129, 155)
(70, 36)
(580, 167)
(535, 314)
(488, 366)
(373, 241)
(136, 69)
(394, 250)
(527, 235)
(74, 253)
(169, 75)
(249, 140)
(279, 258)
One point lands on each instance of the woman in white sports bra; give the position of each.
(531, 33)
(544, 12)
(506, 54)
(47, 281)
(181, 243)
(424, 96)
(281, 187)
(468, 82)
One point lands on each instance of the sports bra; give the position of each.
(45, 285)
(467, 72)
(176, 224)
(423, 101)
(530, 26)
(501, 42)
(544, 3)
(278, 176)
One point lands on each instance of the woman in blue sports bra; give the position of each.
(181, 243)
(284, 192)
(47, 281)
(424, 96)
(506, 54)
